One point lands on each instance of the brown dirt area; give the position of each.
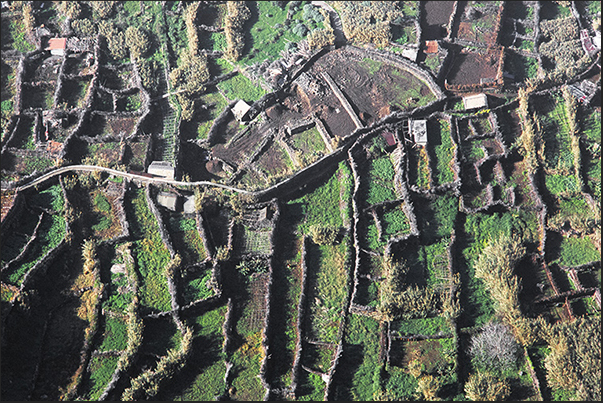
(7, 197)
(436, 14)
(468, 68)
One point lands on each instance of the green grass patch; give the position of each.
(372, 66)
(150, 253)
(444, 152)
(395, 223)
(562, 185)
(424, 326)
(577, 251)
(360, 366)
(557, 141)
(101, 372)
(115, 335)
(310, 144)
(240, 87)
(435, 259)
(18, 36)
(380, 180)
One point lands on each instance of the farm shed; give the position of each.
(418, 130)
(161, 168)
(240, 110)
(475, 101)
(189, 204)
(57, 46)
(389, 138)
(167, 200)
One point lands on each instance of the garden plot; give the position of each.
(310, 145)
(59, 132)
(469, 68)
(435, 19)
(117, 79)
(478, 22)
(50, 233)
(23, 136)
(39, 96)
(419, 173)
(202, 378)
(185, 238)
(78, 65)
(149, 252)
(247, 357)
(102, 125)
(522, 67)
(199, 128)
(104, 212)
(44, 69)
(274, 163)
(442, 151)
(74, 93)
(327, 290)
(135, 154)
(24, 163)
(103, 153)
(360, 363)
(374, 87)
(252, 241)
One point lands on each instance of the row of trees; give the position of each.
(238, 14)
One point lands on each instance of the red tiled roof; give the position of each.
(389, 138)
(431, 47)
(57, 43)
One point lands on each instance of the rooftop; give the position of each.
(475, 101)
(56, 43)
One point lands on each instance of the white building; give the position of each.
(418, 131)
(475, 101)
(163, 169)
(240, 109)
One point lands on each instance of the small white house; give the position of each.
(475, 101)
(418, 130)
(163, 169)
(240, 109)
(167, 200)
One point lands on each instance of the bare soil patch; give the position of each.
(436, 16)
(469, 68)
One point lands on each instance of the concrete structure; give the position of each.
(475, 101)
(167, 200)
(411, 53)
(163, 169)
(57, 46)
(418, 130)
(188, 207)
(240, 110)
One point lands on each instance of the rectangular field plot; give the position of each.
(135, 154)
(73, 93)
(185, 238)
(249, 241)
(310, 145)
(39, 96)
(435, 216)
(274, 163)
(418, 168)
(202, 378)
(440, 141)
(100, 125)
(101, 371)
(378, 185)
(248, 356)
(327, 280)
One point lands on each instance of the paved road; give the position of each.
(94, 168)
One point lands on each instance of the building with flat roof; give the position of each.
(163, 169)
(240, 109)
(475, 101)
(418, 131)
(167, 200)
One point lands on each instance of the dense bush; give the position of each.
(494, 349)
(483, 386)
(137, 41)
(238, 14)
(323, 235)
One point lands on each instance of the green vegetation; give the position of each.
(577, 251)
(380, 180)
(444, 152)
(115, 334)
(150, 253)
(423, 326)
(101, 371)
(240, 87)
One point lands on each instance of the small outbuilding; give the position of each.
(431, 47)
(57, 46)
(167, 200)
(418, 131)
(475, 101)
(163, 169)
(240, 110)
(188, 207)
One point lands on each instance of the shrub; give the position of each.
(494, 349)
(137, 41)
(323, 235)
(481, 386)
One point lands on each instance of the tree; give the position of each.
(83, 27)
(70, 9)
(116, 41)
(137, 41)
(494, 348)
(102, 9)
(428, 386)
(486, 387)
